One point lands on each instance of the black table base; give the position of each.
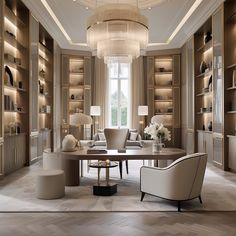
(104, 190)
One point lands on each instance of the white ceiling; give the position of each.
(163, 19)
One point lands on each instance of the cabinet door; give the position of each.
(33, 147)
(190, 142)
(232, 156)
(176, 70)
(40, 144)
(201, 142)
(9, 155)
(20, 141)
(218, 150)
(47, 140)
(209, 146)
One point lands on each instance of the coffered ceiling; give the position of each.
(171, 22)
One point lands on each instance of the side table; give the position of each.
(104, 189)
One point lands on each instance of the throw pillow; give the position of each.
(133, 136)
(101, 136)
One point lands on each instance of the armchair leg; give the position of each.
(120, 167)
(127, 169)
(179, 206)
(200, 199)
(142, 196)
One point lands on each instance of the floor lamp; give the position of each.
(142, 112)
(95, 112)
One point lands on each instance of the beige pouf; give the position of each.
(50, 184)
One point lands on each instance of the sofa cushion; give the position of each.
(133, 136)
(101, 136)
(100, 143)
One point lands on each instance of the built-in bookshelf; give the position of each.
(163, 91)
(76, 85)
(163, 96)
(16, 70)
(45, 90)
(230, 83)
(45, 87)
(15, 84)
(76, 91)
(203, 77)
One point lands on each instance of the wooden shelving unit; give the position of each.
(76, 91)
(164, 93)
(230, 83)
(76, 86)
(16, 84)
(203, 77)
(45, 90)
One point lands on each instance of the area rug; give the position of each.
(17, 193)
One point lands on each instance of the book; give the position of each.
(96, 151)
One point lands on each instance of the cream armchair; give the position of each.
(180, 181)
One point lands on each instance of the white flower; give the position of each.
(158, 132)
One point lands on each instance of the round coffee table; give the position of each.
(102, 189)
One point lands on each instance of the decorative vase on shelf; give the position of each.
(208, 37)
(210, 126)
(203, 67)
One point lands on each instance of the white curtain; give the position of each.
(137, 90)
(100, 91)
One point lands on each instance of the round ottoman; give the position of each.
(50, 184)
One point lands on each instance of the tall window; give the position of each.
(119, 92)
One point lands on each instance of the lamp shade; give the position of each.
(95, 110)
(80, 119)
(142, 110)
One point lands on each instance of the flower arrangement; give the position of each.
(158, 132)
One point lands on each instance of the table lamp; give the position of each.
(79, 119)
(142, 112)
(95, 111)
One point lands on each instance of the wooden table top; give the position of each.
(144, 153)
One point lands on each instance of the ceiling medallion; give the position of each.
(117, 31)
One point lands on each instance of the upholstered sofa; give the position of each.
(134, 139)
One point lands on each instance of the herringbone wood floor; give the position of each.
(118, 223)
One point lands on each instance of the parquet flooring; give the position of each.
(118, 223)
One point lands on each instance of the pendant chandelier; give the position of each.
(118, 32)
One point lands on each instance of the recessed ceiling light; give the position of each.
(86, 8)
(74, 0)
(149, 8)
